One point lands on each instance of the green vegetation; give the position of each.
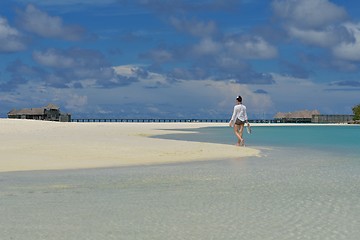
(356, 111)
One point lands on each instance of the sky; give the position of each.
(179, 58)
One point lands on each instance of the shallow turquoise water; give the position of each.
(298, 189)
(347, 135)
(344, 138)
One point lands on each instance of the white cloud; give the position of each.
(309, 14)
(243, 47)
(206, 97)
(291, 94)
(349, 50)
(10, 38)
(53, 58)
(125, 70)
(231, 62)
(37, 94)
(36, 21)
(250, 48)
(153, 80)
(327, 37)
(323, 24)
(207, 46)
(315, 22)
(75, 102)
(80, 66)
(228, 91)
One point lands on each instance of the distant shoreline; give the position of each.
(209, 123)
(190, 120)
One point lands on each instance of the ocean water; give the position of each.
(306, 185)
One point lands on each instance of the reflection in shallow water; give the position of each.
(297, 197)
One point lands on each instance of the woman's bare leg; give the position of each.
(237, 129)
(241, 130)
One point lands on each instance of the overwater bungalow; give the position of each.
(50, 112)
(304, 116)
(314, 116)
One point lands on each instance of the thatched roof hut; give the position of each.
(299, 116)
(50, 112)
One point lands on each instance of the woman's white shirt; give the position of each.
(240, 113)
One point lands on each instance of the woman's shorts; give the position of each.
(239, 122)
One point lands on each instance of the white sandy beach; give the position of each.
(41, 145)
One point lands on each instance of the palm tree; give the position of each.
(356, 111)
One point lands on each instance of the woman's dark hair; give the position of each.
(239, 98)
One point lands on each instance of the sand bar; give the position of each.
(40, 145)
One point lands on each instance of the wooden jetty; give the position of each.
(140, 120)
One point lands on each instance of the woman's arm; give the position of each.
(245, 115)
(232, 120)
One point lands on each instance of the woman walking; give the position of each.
(238, 120)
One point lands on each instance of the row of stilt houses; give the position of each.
(313, 116)
(50, 112)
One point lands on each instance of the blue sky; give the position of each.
(179, 59)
